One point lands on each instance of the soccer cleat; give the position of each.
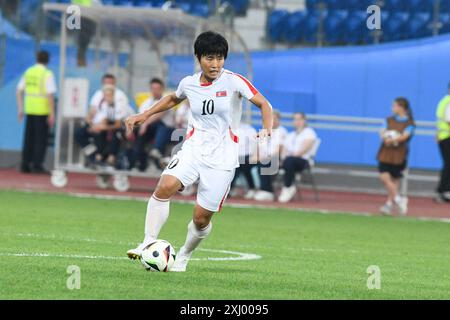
(386, 209)
(136, 253)
(181, 261)
(287, 193)
(264, 196)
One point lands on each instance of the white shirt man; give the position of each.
(295, 142)
(169, 116)
(120, 99)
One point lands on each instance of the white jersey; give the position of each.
(215, 113)
(296, 140)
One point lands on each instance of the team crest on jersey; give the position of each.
(221, 94)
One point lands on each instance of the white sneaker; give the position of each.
(250, 194)
(264, 196)
(181, 261)
(154, 153)
(287, 193)
(386, 209)
(136, 253)
(402, 206)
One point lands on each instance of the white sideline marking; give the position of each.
(239, 255)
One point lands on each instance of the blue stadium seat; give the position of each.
(419, 25)
(419, 6)
(312, 4)
(354, 5)
(334, 25)
(311, 25)
(275, 24)
(240, 6)
(355, 27)
(201, 10)
(293, 25)
(142, 3)
(395, 5)
(395, 28)
(444, 18)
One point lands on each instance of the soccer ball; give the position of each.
(391, 134)
(158, 256)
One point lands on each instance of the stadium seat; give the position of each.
(395, 27)
(355, 26)
(419, 6)
(334, 25)
(292, 31)
(276, 24)
(311, 25)
(419, 25)
(201, 10)
(395, 5)
(444, 19)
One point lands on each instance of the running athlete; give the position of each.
(210, 151)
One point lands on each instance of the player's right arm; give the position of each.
(162, 105)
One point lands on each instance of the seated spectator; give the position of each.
(297, 151)
(120, 97)
(269, 155)
(103, 125)
(247, 149)
(393, 154)
(159, 128)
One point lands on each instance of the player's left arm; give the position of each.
(266, 112)
(406, 135)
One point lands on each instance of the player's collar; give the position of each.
(209, 83)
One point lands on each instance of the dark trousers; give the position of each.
(291, 166)
(444, 183)
(161, 135)
(35, 142)
(265, 179)
(82, 136)
(85, 34)
(245, 168)
(106, 142)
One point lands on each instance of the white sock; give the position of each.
(397, 199)
(194, 237)
(157, 214)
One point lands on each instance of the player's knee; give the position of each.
(201, 221)
(165, 189)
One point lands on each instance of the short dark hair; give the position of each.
(210, 42)
(158, 81)
(43, 57)
(108, 76)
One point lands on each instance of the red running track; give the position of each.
(333, 201)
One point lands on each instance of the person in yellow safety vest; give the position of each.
(443, 137)
(39, 87)
(87, 31)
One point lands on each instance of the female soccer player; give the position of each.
(210, 151)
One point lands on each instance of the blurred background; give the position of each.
(312, 56)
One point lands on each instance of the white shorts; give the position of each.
(214, 184)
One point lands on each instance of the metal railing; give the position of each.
(356, 124)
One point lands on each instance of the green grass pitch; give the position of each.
(303, 255)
